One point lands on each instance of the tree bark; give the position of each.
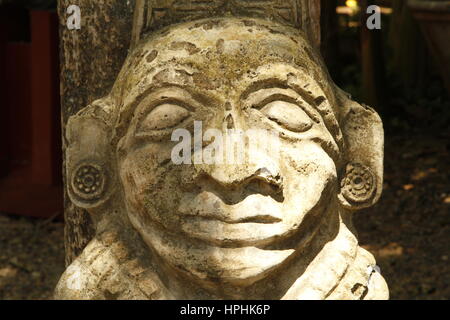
(410, 57)
(329, 45)
(92, 56)
(373, 66)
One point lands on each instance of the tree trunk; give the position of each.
(90, 60)
(330, 35)
(410, 58)
(373, 66)
(92, 56)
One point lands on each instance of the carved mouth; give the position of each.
(255, 231)
(255, 221)
(264, 219)
(261, 219)
(208, 206)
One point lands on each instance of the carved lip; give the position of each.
(254, 221)
(225, 234)
(207, 206)
(260, 219)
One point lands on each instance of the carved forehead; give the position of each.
(214, 53)
(223, 57)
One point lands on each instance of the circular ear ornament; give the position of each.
(359, 184)
(88, 182)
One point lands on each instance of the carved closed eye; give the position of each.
(164, 116)
(288, 115)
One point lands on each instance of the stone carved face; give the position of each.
(233, 223)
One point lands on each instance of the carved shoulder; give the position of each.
(377, 288)
(81, 279)
(362, 281)
(98, 275)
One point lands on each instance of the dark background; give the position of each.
(400, 70)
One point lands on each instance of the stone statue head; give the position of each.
(229, 225)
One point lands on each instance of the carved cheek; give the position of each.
(140, 172)
(312, 174)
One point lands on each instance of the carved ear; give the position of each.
(362, 179)
(88, 157)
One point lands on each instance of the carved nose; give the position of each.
(234, 184)
(229, 120)
(257, 166)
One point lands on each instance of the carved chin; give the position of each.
(241, 266)
(205, 261)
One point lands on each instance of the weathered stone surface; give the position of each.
(277, 226)
(151, 15)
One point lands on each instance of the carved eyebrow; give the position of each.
(170, 93)
(274, 83)
(264, 84)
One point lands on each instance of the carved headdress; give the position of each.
(154, 14)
